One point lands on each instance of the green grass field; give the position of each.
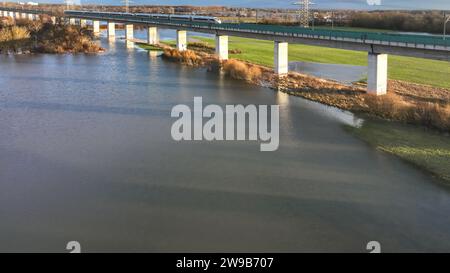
(422, 71)
(427, 149)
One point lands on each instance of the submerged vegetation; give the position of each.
(23, 36)
(426, 149)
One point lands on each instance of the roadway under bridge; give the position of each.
(377, 45)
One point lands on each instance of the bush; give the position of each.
(241, 71)
(188, 57)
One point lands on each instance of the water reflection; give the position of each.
(86, 153)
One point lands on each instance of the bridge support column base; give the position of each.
(222, 47)
(111, 30)
(30, 17)
(72, 21)
(96, 28)
(181, 40)
(82, 22)
(281, 58)
(377, 74)
(53, 19)
(152, 36)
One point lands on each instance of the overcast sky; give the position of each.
(319, 4)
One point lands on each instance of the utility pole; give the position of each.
(68, 3)
(127, 5)
(446, 20)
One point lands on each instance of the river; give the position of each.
(86, 154)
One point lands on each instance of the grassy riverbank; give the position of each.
(415, 70)
(424, 148)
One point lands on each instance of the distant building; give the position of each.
(32, 3)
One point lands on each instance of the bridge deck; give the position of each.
(423, 46)
(426, 46)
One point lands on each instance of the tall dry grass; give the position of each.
(13, 33)
(394, 107)
(187, 57)
(241, 71)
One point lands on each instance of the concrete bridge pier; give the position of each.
(83, 22)
(96, 27)
(129, 31)
(72, 21)
(11, 14)
(30, 17)
(377, 74)
(111, 30)
(181, 40)
(222, 47)
(53, 19)
(152, 36)
(17, 15)
(281, 58)
(24, 16)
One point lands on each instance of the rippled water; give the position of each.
(86, 154)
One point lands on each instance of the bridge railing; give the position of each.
(426, 40)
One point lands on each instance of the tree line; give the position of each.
(417, 21)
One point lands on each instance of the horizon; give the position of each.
(285, 4)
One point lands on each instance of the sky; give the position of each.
(319, 4)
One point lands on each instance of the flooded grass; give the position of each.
(426, 149)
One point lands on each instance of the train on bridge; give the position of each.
(147, 16)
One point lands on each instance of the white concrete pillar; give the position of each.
(17, 15)
(111, 30)
(24, 16)
(11, 14)
(222, 47)
(53, 19)
(30, 17)
(82, 22)
(181, 40)
(72, 21)
(152, 36)
(281, 58)
(96, 27)
(129, 31)
(377, 74)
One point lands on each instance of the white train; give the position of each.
(146, 16)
